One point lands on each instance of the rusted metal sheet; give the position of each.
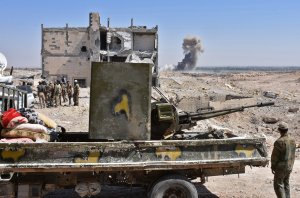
(7, 190)
(131, 155)
(120, 101)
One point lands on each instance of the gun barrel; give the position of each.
(211, 114)
(264, 104)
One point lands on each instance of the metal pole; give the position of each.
(3, 100)
(13, 105)
(107, 45)
(8, 99)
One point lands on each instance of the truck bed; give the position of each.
(132, 155)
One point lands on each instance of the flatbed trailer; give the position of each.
(142, 163)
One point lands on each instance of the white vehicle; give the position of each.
(30, 96)
(15, 97)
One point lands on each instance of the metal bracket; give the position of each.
(6, 176)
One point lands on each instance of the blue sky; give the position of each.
(233, 32)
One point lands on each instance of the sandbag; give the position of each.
(18, 133)
(16, 121)
(47, 121)
(8, 116)
(32, 127)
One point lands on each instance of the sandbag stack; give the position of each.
(26, 125)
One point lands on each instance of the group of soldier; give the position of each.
(53, 94)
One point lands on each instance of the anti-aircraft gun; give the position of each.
(167, 120)
(125, 145)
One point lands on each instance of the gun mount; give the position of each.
(166, 119)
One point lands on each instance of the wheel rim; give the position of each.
(175, 193)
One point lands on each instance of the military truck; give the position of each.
(133, 140)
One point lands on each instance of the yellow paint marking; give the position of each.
(247, 150)
(171, 153)
(92, 158)
(15, 155)
(123, 106)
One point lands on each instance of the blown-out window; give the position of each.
(115, 44)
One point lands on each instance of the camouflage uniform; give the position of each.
(282, 161)
(41, 93)
(57, 94)
(76, 94)
(69, 91)
(50, 94)
(64, 92)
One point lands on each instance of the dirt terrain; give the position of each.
(280, 87)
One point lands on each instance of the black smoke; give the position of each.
(191, 48)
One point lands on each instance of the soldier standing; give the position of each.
(57, 93)
(41, 93)
(282, 161)
(64, 92)
(76, 93)
(48, 94)
(51, 94)
(69, 91)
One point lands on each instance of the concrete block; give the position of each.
(120, 101)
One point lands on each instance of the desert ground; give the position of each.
(180, 87)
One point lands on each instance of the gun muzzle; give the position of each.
(264, 104)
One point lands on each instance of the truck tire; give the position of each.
(173, 186)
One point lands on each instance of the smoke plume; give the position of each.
(191, 48)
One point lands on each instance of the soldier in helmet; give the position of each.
(41, 93)
(76, 93)
(49, 94)
(282, 161)
(69, 91)
(64, 92)
(57, 93)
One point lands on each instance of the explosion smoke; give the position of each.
(191, 48)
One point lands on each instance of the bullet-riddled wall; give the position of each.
(68, 51)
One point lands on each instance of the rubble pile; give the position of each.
(279, 87)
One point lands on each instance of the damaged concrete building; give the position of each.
(67, 52)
